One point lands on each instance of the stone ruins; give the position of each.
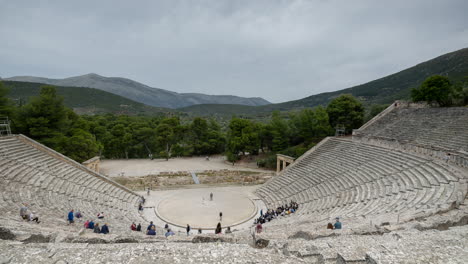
(398, 185)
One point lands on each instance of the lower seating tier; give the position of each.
(52, 187)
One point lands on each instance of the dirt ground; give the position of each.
(143, 167)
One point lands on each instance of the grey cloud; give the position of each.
(279, 50)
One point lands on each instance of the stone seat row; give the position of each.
(53, 186)
(347, 165)
(444, 127)
(354, 178)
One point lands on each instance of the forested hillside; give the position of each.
(385, 90)
(46, 119)
(84, 100)
(142, 93)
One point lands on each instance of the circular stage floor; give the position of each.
(193, 207)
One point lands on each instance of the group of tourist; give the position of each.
(151, 229)
(28, 215)
(271, 214)
(88, 224)
(135, 227)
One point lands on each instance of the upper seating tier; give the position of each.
(445, 128)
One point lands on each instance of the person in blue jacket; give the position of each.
(71, 217)
(91, 224)
(151, 231)
(337, 224)
(105, 229)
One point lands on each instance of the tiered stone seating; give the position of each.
(52, 184)
(346, 178)
(440, 127)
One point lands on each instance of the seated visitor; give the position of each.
(133, 227)
(100, 215)
(151, 231)
(169, 233)
(86, 224)
(228, 230)
(199, 231)
(330, 226)
(96, 228)
(34, 217)
(166, 226)
(71, 217)
(138, 229)
(24, 211)
(337, 223)
(91, 224)
(150, 226)
(78, 214)
(105, 229)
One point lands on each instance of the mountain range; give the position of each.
(142, 93)
(120, 95)
(385, 90)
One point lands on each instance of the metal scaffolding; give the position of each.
(5, 129)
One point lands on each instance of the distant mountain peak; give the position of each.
(142, 93)
(91, 74)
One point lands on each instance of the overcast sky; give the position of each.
(278, 50)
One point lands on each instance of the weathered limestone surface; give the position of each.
(51, 185)
(399, 199)
(433, 127)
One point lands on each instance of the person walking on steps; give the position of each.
(218, 229)
(71, 217)
(220, 216)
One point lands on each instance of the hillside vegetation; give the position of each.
(142, 93)
(385, 90)
(84, 100)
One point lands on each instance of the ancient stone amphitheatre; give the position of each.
(399, 186)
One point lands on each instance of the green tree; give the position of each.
(459, 94)
(44, 118)
(168, 132)
(242, 136)
(310, 125)
(346, 110)
(265, 136)
(6, 105)
(80, 146)
(279, 131)
(434, 89)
